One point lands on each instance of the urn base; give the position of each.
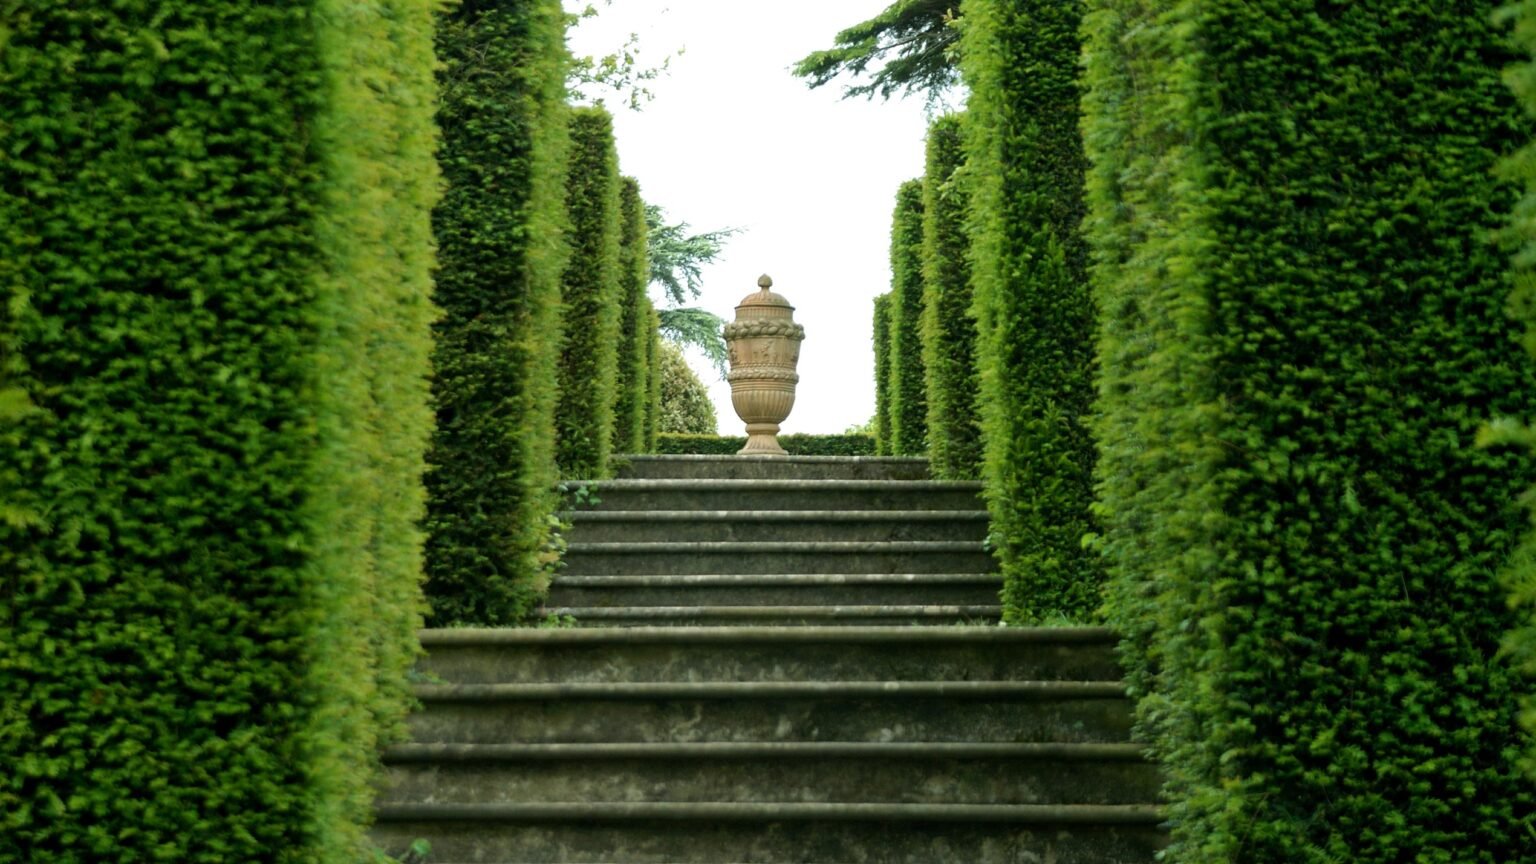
(762, 440)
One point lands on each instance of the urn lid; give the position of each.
(764, 297)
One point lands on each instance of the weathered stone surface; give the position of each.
(786, 494)
(709, 838)
(734, 654)
(773, 468)
(812, 526)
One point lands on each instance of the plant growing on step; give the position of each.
(215, 278)
(1303, 332)
(498, 232)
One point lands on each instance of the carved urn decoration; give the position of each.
(764, 344)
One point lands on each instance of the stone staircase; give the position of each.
(737, 689)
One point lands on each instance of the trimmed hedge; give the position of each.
(491, 487)
(797, 444)
(215, 261)
(948, 329)
(632, 386)
(882, 337)
(653, 381)
(593, 299)
(1521, 168)
(1035, 317)
(684, 406)
(1304, 330)
(909, 408)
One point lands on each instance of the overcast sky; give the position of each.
(733, 140)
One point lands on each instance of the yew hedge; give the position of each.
(909, 410)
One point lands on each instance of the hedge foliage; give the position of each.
(1520, 167)
(653, 360)
(797, 444)
(948, 329)
(1303, 331)
(593, 299)
(498, 282)
(632, 386)
(685, 407)
(909, 404)
(215, 260)
(882, 338)
(1035, 318)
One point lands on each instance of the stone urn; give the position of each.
(764, 345)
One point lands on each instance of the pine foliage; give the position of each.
(215, 261)
(1304, 329)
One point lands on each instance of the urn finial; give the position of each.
(764, 347)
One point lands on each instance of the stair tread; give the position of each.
(749, 633)
(778, 484)
(779, 579)
(908, 750)
(775, 515)
(771, 689)
(832, 546)
(1052, 814)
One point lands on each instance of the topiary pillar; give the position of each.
(1304, 332)
(215, 268)
(882, 340)
(632, 385)
(909, 409)
(498, 232)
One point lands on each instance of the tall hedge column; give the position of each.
(1034, 312)
(909, 403)
(215, 260)
(948, 328)
(1304, 333)
(632, 387)
(592, 293)
(882, 327)
(498, 233)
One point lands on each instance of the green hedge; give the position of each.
(1035, 318)
(653, 361)
(948, 328)
(909, 407)
(215, 260)
(797, 444)
(632, 385)
(1521, 168)
(1304, 330)
(498, 283)
(882, 337)
(593, 299)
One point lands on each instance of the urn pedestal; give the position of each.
(764, 345)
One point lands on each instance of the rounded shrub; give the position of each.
(686, 408)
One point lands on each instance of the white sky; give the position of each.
(732, 139)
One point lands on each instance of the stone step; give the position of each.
(846, 711)
(779, 616)
(803, 589)
(736, 654)
(781, 494)
(766, 772)
(772, 467)
(917, 556)
(629, 526)
(776, 832)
